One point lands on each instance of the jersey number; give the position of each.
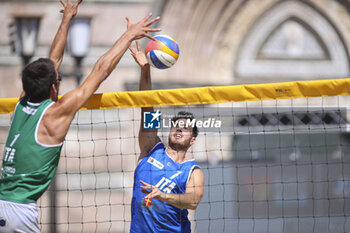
(9, 151)
(165, 185)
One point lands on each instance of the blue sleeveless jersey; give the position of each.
(149, 215)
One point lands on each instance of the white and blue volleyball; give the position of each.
(163, 52)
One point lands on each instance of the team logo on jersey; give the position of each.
(147, 203)
(152, 120)
(29, 110)
(155, 162)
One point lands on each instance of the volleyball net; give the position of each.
(275, 158)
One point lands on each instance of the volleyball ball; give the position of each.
(163, 52)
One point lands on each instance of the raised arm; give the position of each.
(147, 137)
(59, 42)
(188, 200)
(60, 115)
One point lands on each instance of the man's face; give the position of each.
(180, 136)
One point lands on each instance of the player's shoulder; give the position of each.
(192, 163)
(197, 174)
(53, 110)
(56, 110)
(159, 146)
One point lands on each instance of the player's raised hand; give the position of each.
(138, 55)
(154, 192)
(141, 29)
(69, 8)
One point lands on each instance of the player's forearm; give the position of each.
(100, 72)
(183, 201)
(145, 82)
(107, 63)
(146, 136)
(59, 42)
(103, 68)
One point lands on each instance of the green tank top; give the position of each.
(28, 166)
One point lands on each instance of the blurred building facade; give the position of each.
(261, 41)
(222, 42)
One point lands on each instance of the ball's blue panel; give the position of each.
(156, 61)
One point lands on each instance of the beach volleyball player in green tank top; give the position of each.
(41, 122)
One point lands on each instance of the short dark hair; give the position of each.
(37, 78)
(186, 115)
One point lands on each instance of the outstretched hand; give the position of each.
(69, 8)
(154, 192)
(138, 55)
(141, 29)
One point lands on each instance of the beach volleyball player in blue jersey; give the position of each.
(165, 183)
